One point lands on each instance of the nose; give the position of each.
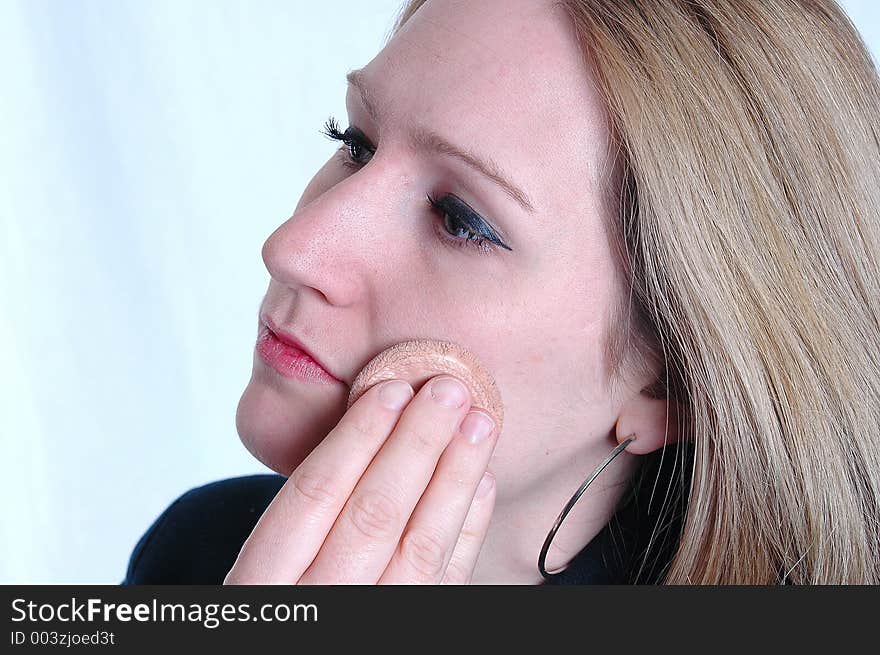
(334, 242)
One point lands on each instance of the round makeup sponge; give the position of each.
(419, 360)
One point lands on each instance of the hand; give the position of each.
(390, 496)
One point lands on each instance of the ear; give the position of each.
(652, 422)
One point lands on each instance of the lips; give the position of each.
(291, 348)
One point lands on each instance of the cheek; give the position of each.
(552, 341)
(556, 372)
(547, 356)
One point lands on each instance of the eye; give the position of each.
(458, 232)
(462, 226)
(353, 139)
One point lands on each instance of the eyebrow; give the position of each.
(429, 141)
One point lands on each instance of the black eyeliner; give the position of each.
(462, 211)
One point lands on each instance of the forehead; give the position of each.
(504, 77)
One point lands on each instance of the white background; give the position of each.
(147, 149)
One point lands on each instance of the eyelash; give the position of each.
(479, 242)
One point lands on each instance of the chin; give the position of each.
(281, 426)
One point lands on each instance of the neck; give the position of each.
(520, 522)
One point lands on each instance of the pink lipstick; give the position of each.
(290, 361)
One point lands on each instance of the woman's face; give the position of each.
(366, 262)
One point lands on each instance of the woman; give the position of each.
(671, 247)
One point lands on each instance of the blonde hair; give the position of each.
(746, 159)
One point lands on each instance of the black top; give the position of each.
(197, 538)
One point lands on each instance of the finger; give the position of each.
(290, 532)
(430, 536)
(473, 533)
(362, 541)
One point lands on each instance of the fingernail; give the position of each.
(449, 392)
(394, 394)
(485, 486)
(476, 426)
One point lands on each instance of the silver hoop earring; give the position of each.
(542, 558)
